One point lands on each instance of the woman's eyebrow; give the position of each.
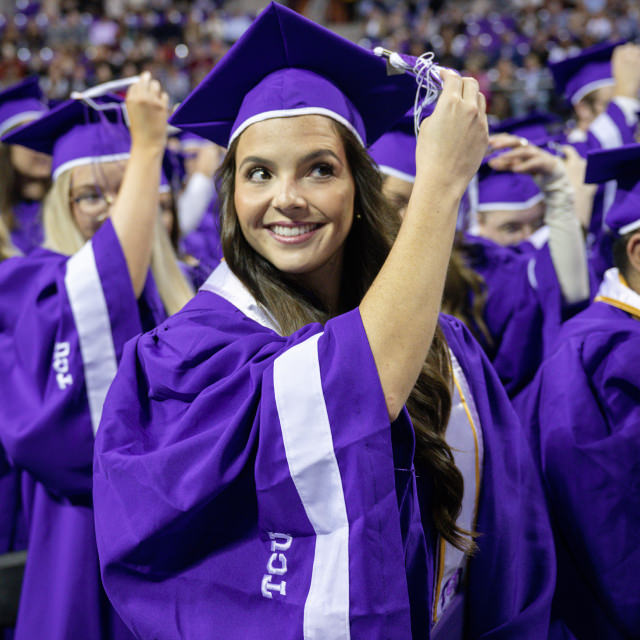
(315, 155)
(254, 160)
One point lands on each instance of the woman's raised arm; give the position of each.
(400, 310)
(135, 210)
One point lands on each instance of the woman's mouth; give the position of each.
(292, 234)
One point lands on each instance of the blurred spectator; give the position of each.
(505, 45)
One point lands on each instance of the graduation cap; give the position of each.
(75, 134)
(579, 75)
(534, 126)
(621, 164)
(505, 190)
(285, 65)
(21, 103)
(395, 151)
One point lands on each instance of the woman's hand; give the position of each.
(453, 140)
(522, 156)
(148, 111)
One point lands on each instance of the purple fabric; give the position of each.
(396, 150)
(593, 64)
(47, 433)
(182, 514)
(187, 485)
(28, 234)
(24, 98)
(74, 131)
(583, 417)
(620, 164)
(598, 245)
(497, 190)
(512, 576)
(523, 324)
(204, 242)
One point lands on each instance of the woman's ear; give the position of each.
(633, 255)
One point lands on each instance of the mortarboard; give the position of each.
(75, 134)
(21, 103)
(395, 151)
(534, 126)
(579, 75)
(621, 164)
(505, 190)
(286, 65)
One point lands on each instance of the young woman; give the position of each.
(255, 450)
(65, 314)
(25, 174)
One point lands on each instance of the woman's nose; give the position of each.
(288, 196)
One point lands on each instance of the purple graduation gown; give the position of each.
(63, 323)
(584, 420)
(250, 485)
(204, 242)
(610, 129)
(28, 234)
(524, 307)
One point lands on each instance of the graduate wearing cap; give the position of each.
(65, 313)
(24, 173)
(246, 451)
(584, 420)
(602, 84)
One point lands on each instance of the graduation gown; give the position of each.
(524, 306)
(584, 421)
(28, 234)
(613, 128)
(248, 485)
(63, 323)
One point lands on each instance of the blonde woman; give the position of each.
(107, 273)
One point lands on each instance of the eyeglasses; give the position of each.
(93, 203)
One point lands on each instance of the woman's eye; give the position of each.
(322, 170)
(258, 174)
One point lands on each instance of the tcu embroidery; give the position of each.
(61, 364)
(276, 565)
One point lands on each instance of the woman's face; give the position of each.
(294, 196)
(93, 190)
(29, 163)
(511, 227)
(397, 191)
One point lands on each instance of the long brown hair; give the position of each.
(367, 246)
(8, 187)
(465, 292)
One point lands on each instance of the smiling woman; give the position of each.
(255, 451)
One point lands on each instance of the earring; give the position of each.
(358, 216)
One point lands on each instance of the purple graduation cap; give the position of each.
(579, 75)
(285, 65)
(534, 126)
(21, 103)
(621, 164)
(76, 134)
(505, 190)
(395, 151)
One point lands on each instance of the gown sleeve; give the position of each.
(244, 483)
(63, 323)
(584, 420)
(512, 575)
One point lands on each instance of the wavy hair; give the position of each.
(366, 248)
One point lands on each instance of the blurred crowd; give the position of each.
(504, 45)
